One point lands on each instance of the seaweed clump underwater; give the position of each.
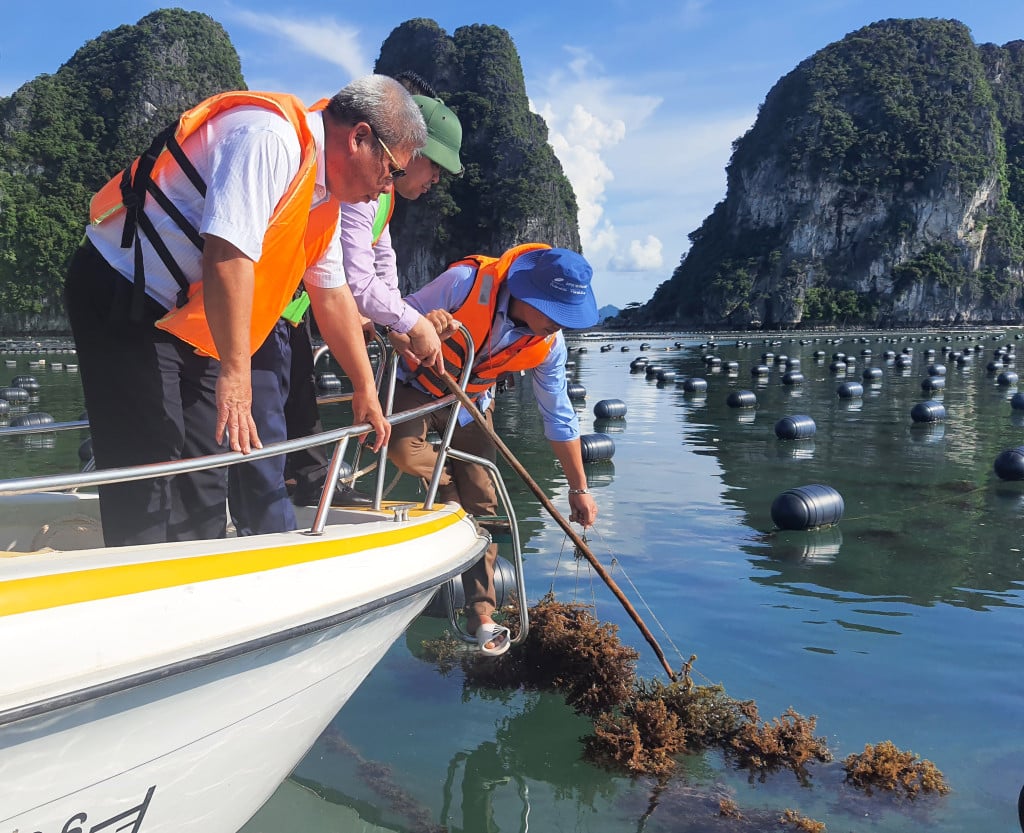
(641, 727)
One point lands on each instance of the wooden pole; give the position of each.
(581, 545)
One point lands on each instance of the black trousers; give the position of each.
(302, 416)
(150, 398)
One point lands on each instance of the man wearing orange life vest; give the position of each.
(515, 308)
(218, 231)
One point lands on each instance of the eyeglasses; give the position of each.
(395, 171)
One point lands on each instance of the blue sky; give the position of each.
(643, 100)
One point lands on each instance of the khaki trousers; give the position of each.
(468, 484)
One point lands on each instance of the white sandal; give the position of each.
(495, 633)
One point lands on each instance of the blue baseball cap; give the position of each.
(556, 282)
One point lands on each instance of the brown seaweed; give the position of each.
(885, 767)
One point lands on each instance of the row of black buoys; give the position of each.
(795, 427)
(741, 399)
(576, 391)
(930, 411)
(1009, 465)
(31, 420)
(596, 447)
(807, 507)
(610, 409)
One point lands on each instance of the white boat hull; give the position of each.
(183, 705)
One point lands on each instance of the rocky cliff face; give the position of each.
(881, 183)
(513, 190)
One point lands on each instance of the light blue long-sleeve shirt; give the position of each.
(449, 291)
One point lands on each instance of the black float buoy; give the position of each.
(29, 383)
(930, 411)
(936, 369)
(760, 370)
(597, 447)
(328, 382)
(741, 399)
(504, 587)
(576, 391)
(85, 451)
(792, 377)
(796, 427)
(1006, 379)
(666, 375)
(930, 383)
(31, 420)
(807, 507)
(1017, 402)
(695, 384)
(871, 374)
(5, 407)
(850, 390)
(15, 396)
(837, 367)
(1009, 465)
(610, 409)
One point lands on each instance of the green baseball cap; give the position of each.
(444, 133)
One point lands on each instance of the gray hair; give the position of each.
(385, 105)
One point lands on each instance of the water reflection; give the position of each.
(807, 548)
(794, 449)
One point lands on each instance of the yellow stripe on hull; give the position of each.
(56, 590)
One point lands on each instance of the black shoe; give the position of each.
(345, 495)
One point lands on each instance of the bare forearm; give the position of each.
(228, 282)
(570, 456)
(228, 285)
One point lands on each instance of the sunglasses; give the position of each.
(395, 171)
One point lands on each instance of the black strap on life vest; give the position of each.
(136, 223)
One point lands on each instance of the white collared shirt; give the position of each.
(247, 156)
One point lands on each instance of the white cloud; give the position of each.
(643, 256)
(587, 114)
(324, 38)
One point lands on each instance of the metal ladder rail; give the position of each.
(447, 451)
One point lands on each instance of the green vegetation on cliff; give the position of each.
(63, 135)
(888, 159)
(513, 190)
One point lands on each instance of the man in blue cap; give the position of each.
(515, 308)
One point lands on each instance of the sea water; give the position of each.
(903, 622)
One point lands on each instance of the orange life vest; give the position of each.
(477, 315)
(295, 239)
